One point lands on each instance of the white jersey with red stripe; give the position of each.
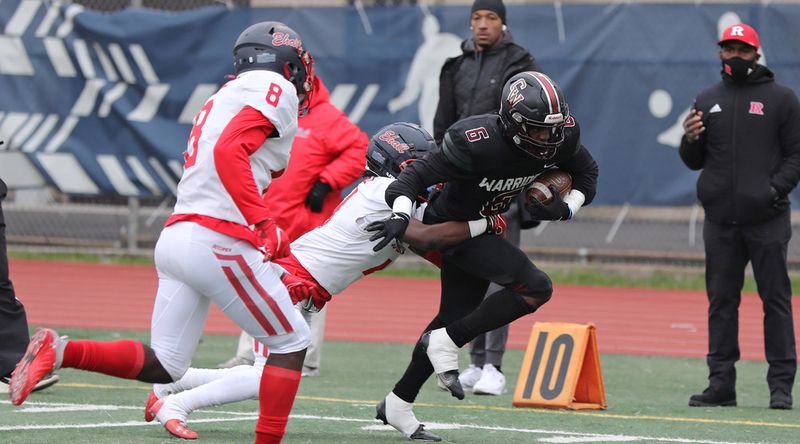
(201, 191)
(339, 252)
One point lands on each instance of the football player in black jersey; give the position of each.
(485, 162)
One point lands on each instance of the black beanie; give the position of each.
(495, 6)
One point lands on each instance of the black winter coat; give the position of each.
(472, 83)
(751, 142)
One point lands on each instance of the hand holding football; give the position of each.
(540, 188)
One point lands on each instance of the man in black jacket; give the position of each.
(744, 132)
(469, 85)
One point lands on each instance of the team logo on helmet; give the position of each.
(394, 141)
(281, 39)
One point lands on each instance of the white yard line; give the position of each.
(549, 436)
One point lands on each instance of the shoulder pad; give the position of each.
(469, 136)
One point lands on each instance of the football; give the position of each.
(539, 190)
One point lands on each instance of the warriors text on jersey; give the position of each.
(484, 171)
(240, 140)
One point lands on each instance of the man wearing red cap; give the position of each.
(744, 133)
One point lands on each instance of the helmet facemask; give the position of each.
(526, 137)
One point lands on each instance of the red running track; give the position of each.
(382, 309)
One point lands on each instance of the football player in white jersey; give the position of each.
(218, 244)
(324, 262)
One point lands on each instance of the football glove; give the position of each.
(305, 292)
(557, 209)
(271, 240)
(389, 229)
(496, 224)
(316, 197)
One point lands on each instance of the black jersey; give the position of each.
(483, 171)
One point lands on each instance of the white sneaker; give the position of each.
(470, 376)
(492, 382)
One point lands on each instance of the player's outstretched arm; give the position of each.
(438, 236)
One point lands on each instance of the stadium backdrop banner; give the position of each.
(100, 103)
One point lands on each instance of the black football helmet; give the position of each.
(532, 101)
(394, 146)
(273, 46)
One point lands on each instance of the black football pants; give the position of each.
(13, 323)
(728, 250)
(467, 270)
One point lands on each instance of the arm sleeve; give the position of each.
(349, 145)
(788, 175)
(446, 108)
(243, 136)
(421, 174)
(584, 171)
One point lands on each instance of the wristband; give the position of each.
(574, 201)
(477, 227)
(402, 205)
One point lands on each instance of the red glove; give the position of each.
(496, 224)
(271, 240)
(305, 290)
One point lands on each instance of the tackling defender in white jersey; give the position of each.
(324, 262)
(217, 244)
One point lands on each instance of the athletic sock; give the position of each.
(123, 359)
(195, 377)
(276, 396)
(498, 309)
(237, 384)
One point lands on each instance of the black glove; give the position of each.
(778, 202)
(316, 197)
(557, 209)
(389, 229)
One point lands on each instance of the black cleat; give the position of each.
(423, 435)
(450, 380)
(713, 398)
(419, 435)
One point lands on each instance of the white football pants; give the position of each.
(197, 266)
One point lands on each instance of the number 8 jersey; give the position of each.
(240, 141)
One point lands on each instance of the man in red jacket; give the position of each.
(327, 155)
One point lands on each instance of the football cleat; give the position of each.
(149, 415)
(173, 418)
(43, 355)
(418, 434)
(178, 429)
(443, 354)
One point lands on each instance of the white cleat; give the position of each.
(399, 414)
(492, 382)
(469, 377)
